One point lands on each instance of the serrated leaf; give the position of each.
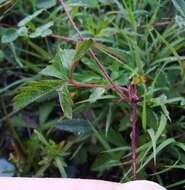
(45, 4)
(29, 18)
(9, 36)
(77, 126)
(34, 91)
(65, 101)
(82, 48)
(42, 31)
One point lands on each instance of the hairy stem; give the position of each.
(134, 138)
(133, 101)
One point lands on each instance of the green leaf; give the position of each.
(144, 110)
(101, 138)
(34, 91)
(9, 36)
(2, 56)
(45, 110)
(87, 3)
(162, 125)
(41, 138)
(40, 50)
(42, 31)
(180, 6)
(52, 71)
(29, 18)
(153, 139)
(76, 126)
(104, 161)
(2, 1)
(108, 120)
(181, 182)
(65, 101)
(163, 145)
(22, 31)
(67, 58)
(82, 48)
(61, 64)
(45, 4)
(96, 94)
(61, 164)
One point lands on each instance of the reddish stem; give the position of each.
(133, 101)
(131, 91)
(93, 55)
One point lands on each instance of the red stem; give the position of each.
(134, 118)
(92, 85)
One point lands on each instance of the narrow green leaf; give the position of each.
(34, 91)
(108, 120)
(86, 3)
(45, 4)
(29, 18)
(162, 125)
(144, 112)
(163, 145)
(104, 143)
(65, 101)
(2, 55)
(180, 6)
(82, 48)
(42, 31)
(60, 164)
(40, 50)
(181, 182)
(153, 138)
(45, 110)
(76, 126)
(181, 145)
(96, 94)
(41, 137)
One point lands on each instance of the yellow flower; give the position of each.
(139, 79)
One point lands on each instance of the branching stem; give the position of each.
(93, 55)
(127, 94)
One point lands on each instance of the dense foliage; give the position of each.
(51, 127)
